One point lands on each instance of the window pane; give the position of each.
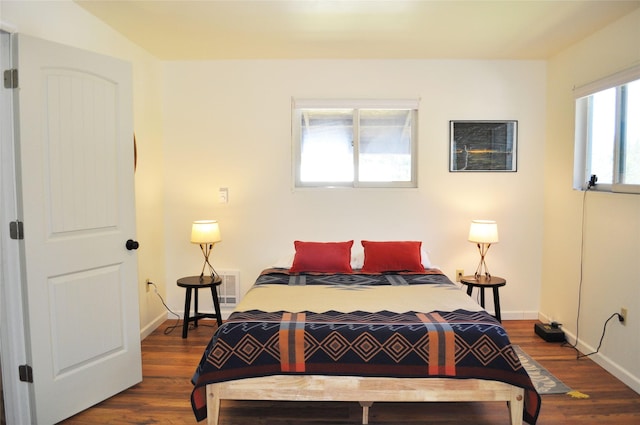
(630, 143)
(602, 134)
(326, 145)
(385, 145)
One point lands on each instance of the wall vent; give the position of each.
(229, 289)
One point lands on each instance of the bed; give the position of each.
(364, 335)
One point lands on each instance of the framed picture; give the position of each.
(483, 145)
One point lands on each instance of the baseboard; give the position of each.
(607, 364)
(601, 360)
(519, 315)
(613, 368)
(153, 325)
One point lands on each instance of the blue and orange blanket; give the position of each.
(455, 343)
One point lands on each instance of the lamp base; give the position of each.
(206, 251)
(482, 268)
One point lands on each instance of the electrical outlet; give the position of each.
(148, 285)
(459, 274)
(623, 314)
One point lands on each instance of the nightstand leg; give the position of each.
(187, 307)
(469, 289)
(195, 309)
(216, 305)
(496, 303)
(482, 297)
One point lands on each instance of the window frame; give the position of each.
(297, 107)
(582, 154)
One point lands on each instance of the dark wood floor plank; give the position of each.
(168, 361)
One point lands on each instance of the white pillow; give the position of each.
(357, 259)
(284, 262)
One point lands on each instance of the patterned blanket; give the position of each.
(453, 344)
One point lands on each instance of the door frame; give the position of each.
(18, 395)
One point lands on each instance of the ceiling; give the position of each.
(374, 29)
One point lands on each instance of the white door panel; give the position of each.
(76, 146)
(80, 107)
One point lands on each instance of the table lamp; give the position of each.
(483, 233)
(206, 233)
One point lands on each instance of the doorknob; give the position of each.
(131, 244)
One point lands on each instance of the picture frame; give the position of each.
(483, 146)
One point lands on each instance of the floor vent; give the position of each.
(229, 289)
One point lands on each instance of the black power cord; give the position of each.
(170, 328)
(584, 200)
(604, 329)
(591, 183)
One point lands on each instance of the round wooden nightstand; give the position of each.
(192, 283)
(482, 282)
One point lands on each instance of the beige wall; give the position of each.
(228, 124)
(610, 277)
(65, 22)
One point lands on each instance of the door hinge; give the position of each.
(16, 230)
(26, 373)
(11, 79)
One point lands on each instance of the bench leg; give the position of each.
(213, 404)
(365, 411)
(516, 406)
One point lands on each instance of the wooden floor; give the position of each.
(168, 361)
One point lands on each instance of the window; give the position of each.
(608, 133)
(359, 143)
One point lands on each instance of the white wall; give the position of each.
(612, 221)
(228, 124)
(67, 23)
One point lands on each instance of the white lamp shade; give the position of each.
(205, 231)
(483, 231)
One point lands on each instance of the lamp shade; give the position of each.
(205, 231)
(483, 231)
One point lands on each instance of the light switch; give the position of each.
(223, 195)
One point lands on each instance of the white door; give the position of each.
(76, 182)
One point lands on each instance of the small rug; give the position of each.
(542, 379)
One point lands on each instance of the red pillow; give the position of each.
(392, 257)
(323, 257)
